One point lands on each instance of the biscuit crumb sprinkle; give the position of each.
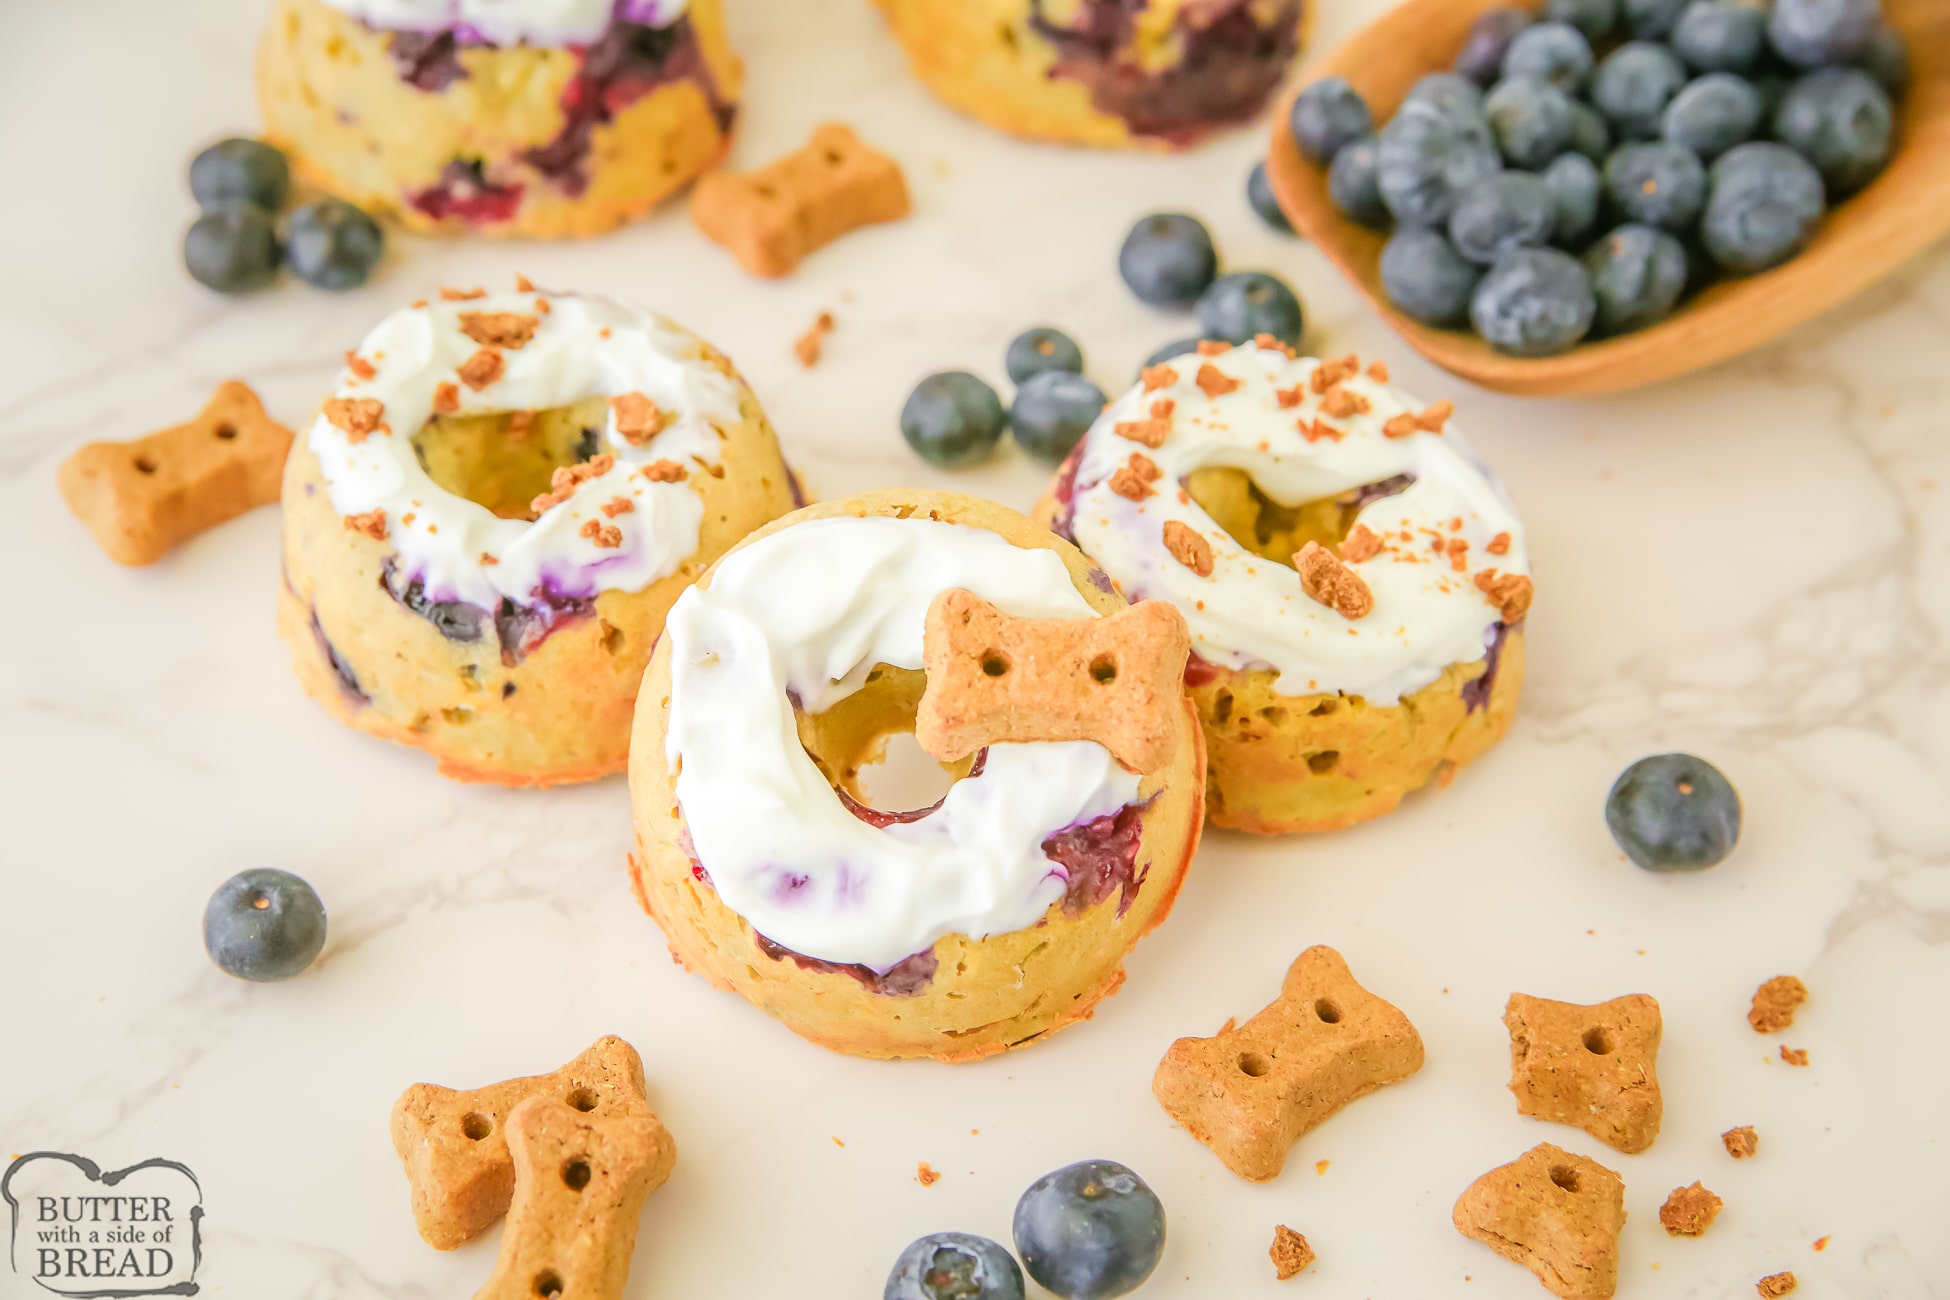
(807, 346)
(1134, 479)
(1361, 543)
(567, 478)
(663, 471)
(926, 1175)
(461, 295)
(606, 536)
(1188, 547)
(499, 329)
(1821, 1243)
(1775, 1003)
(1740, 1142)
(1689, 1211)
(482, 369)
(1326, 580)
(1215, 382)
(1775, 1285)
(372, 523)
(1794, 1055)
(1213, 347)
(1158, 376)
(1290, 1252)
(446, 398)
(638, 419)
(1511, 593)
(617, 506)
(357, 417)
(358, 365)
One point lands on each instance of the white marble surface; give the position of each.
(1753, 564)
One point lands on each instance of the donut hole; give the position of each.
(504, 460)
(865, 745)
(1271, 529)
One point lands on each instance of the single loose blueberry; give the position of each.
(1534, 302)
(1052, 411)
(1354, 183)
(1424, 160)
(954, 1266)
(1637, 276)
(1713, 113)
(237, 171)
(1823, 33)
(332, 244)
(1532, 120)
(1652, 20)
(1633, 86)
(264, 925)
(1035, 350)
(1557, 52)
(1488, 43)
(1763, 203)
(233, 249)
(1090, 1231)
(1595, 18)
(1427, 278)
(1673, 812)
(1247, 303)
(1720, 36)
(1509, 210)
(1841, 120)
(1453, 95)
(1575, 189)
(1168, 259)
(1259, 193)
(953, 420)
(1175, 348)
(1326, 115)
(1658, 183)
(1590, 134)
(1886, 58)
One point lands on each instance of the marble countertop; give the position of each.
(1752, 564)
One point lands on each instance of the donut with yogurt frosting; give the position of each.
(492, 512)
(996, 915)
(1320, 710)
(532, 118)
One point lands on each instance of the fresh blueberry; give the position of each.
(1509, 210)
(332, 244)
(1763, 203)
(1259, 193)
(1328, 114)
(264, 925)
(1424, 160)
(1247, 303)
(1354, 183)
(1839, 119)
(1575, 190)
(1168, 259)
(1532, 121)
(1090, 1231)
(1557, 52)
(1534, 302)
(953, 420)
(1590, 135)
(1633, 86)
(1652, 20)
(1488, 43)
(1673, 812)
(1595, 18)
(1453, 95)
(1658, 183)
(954, 1266)
(1823, 33)
(1427, 278)
(1036, 350)
(1720, 36)
(233, 249)
(1713, 113)
(1886, 58)
(1052, 411)
(1176, 348)
(1637, 275)
(237, 171)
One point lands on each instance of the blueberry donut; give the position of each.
(1115, 73)
(1392, 656)
(489, 518)
(538, 118)
(998, 914)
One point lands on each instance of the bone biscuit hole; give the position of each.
(766, 192)
(575, 1175)
(995, 663)
(1103, 670)
(548, 1284)
(1597, 1041)
(582, 1099)
(834, 157)
(145, 465)
(476, 1126)
(1565, 1176)
(1328, 1012)
(226, 431)
(1322, 763)
(1253, 1065)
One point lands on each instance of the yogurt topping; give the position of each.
(803, 615)
(1251, 612)
(581, 347)
(547, 23)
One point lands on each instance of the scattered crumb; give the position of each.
(974, 1132)
(1213, 381)
(1775, 1284)
(636, 417)
(925, 1175)
(372, 524)
(1320, 1167)
(838, 1143)
(1188, 548)
(1290, 1252)
(1689, 1211)
(1740, 1142)
(1775, 1003)
(482, 369)
(359, 366)
(1794, 1055)
(808, 344)
(1821, 1243)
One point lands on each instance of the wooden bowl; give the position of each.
(1861, 240)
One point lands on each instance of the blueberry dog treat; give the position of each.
(489, 517)
(539, 118)
(996, 915)
(1109, 73)
(1391, 657)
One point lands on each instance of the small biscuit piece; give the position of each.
(1250, 1092)
(1775, 1003)
(1118, 681)
(1324, 578)
(455, 1144)
(580, 1183)
(1775, 1285)
(775, 216)
(1689, 1211)
(1555, 1213)
(1740, 1142)
(1590, 1067)
(1290, 1252)
(143, 497)
(1794, 1055)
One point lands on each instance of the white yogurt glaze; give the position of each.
(546, 23)
(806, 613)
(1251, 612)
(582, 347)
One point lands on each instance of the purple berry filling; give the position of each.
(428, 61)
(348, 680)
(1367, 494)
(1476, 691)
(518, 629)
(796, 488)
(1100, 856)
(466, 194)
(907, 978)
(455, 619)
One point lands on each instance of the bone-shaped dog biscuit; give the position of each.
(1250, 1092)
(143, 497)
(1118, 680)
(580, 1183)
(455, 1144)
(773, 217)
(1592, 1067)
(1556, 1213)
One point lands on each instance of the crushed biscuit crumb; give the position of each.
(806, 348)
(663, 471)
(1400, 426)
(1326, 580)
(1378, 372)
(1341, 403)
(1215, 382)
(1158, 376)
(461, 295)
(638, 419)
(358, 365)
(1361, 543)
(481, 369)
(1213, 347)
(1689, 1211)
(523, 284)
(1152, 433)
(567, 478)
(1740, 1142)
(1188, 547)
(1432, 419)
(926, 1175)
(1510, 592)
(358, 417)
(1821, 1243)
(1275, 344)
(487, 559)
(1133, 481)
(1319, 430)
(1288, 398)
(1775, 1285)
(1775, 1003)
(519, 422)
(1290, 1252)
(372, 523)
(606, 536)
(1794, 1055)
(617, 506)
(446, 399)
(499, 329)
(1499, 544)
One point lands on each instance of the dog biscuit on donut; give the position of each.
(1354, 578)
